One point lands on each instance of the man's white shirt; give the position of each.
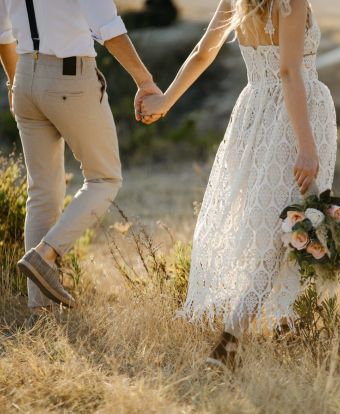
(66, 27)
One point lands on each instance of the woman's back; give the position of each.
(237, 254)
(259, 42)
(254, 32)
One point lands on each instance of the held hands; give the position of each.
(306, 167)
(153, 108)
(149, 103)
(147, 88)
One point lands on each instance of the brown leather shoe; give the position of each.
(33, 266)
(225, 352)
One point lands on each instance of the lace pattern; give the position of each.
(237, 268)
(285, 7)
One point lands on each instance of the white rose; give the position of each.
(315, 216)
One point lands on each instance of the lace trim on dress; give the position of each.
(285, 7)
(286, 10)
(269, 28)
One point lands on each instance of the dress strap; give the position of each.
(269, 28)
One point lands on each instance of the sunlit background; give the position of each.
(166, 165)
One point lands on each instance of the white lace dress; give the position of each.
(237, 268)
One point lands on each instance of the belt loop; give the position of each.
(81, 66)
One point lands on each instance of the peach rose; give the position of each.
(293, 217)
(334, 211)
(316, 249)
(300, 239)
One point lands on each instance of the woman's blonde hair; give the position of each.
(249, 15)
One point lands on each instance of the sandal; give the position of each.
(222, 356)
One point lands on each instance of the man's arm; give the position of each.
(9, 57)
(123, 50)
(108, 28)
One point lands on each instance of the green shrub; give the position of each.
(8, 130)
(159, 142)
(318, 320)
(180, 270)
(13, 194)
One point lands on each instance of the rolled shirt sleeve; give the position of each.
(103, 19)
(6, 34)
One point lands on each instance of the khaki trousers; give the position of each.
(51, 108)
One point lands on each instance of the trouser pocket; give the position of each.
(103, 83)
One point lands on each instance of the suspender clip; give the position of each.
(36, 55)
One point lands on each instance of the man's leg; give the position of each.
(44, 157)
(43, 150)
(74, 106)
(87, 125)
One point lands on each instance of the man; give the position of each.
(59, 94)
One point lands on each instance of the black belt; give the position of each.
(69, 64)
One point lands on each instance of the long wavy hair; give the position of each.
(248, 11)
(250, 15)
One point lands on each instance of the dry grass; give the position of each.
(122, 352)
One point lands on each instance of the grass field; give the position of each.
(121, 352)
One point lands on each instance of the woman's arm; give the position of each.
(198, 61)
(292, 34)
(8, 58)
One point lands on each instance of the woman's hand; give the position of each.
(306, 167)
(155, 106)
(146, 88)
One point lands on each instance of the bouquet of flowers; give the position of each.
(311, 234)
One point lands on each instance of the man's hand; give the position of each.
(8, 59)
(10, 101)
(123, 50)
(154, 107)
(146, 89)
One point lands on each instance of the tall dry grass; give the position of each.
(124, 353)
(121, 351)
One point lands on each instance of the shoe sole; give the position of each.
(43, 285)
(215, 363)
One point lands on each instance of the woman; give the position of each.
(280, 139)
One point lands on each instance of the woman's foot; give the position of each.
(225, 352)
(285, 333)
